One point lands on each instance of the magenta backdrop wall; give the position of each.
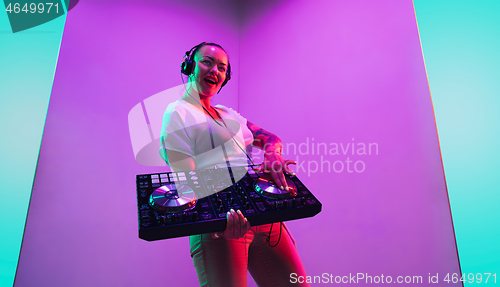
(332, 72)
(352, 72)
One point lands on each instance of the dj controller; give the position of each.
(176, 204)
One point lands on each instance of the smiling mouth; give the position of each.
(210, 82)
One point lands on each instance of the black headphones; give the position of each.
(187, 67)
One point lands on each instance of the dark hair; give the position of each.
(187, 66)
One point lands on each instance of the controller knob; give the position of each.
(171, 218)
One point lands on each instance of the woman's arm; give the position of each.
(179, 161)
(273, 162)
(265, 140)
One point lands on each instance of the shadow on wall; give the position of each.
(144, 119)
(144, 123)
(245, 9)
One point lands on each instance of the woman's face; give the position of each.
(210, 69)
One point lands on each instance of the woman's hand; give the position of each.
(237, 226)
(274, 164)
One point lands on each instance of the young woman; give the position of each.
(197, 135)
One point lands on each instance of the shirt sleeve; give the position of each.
(175, 135)
(234, 114)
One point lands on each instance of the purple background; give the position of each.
(328, 70)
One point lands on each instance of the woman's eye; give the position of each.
(222, 69)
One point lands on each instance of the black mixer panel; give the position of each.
(176, 204)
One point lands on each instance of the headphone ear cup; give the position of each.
(187, 67)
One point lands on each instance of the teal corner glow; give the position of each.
(460, 45)
(28, 63)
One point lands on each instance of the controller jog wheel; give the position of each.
(171, 198)
(266, 187)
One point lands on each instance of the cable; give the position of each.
(269, 236)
